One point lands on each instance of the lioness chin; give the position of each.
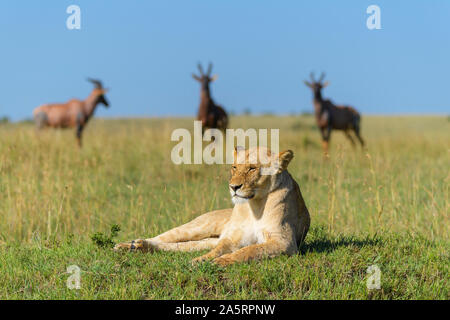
(269, 217)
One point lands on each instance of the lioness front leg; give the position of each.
(269, 249)
(187, 237)
(224, 246)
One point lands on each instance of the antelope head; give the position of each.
(100, 92)
(316, 86)
(204, 78)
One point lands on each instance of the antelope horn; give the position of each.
(311, 76)
(97, 83)
(322, 76)
(200, 69)
(209, 69)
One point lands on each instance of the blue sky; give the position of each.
(145, 51)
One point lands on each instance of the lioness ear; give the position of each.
(285, 157)
(239, 155)
(237, 150)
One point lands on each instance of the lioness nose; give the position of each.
(235, 187)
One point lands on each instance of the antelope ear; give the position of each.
(285, 157)
(308, 84)
(214, 77)
(196, 77)
(325, 84)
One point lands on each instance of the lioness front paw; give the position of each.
(200, 259)
(135, 245)
(223, 261)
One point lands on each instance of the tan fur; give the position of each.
(269, 217)
(74, 113)
(63, 115)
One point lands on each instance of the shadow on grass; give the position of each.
(328, 245)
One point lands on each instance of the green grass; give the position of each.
(387, 205)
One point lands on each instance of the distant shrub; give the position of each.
(26, 121)
(303, 125)
(102, 240)
(247, 111)
(4, 120)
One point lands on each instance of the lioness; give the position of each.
(269, 217)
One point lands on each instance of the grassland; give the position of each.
(388, 205)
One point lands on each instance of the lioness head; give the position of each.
(254, 172)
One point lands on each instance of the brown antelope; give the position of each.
(209, 113)
(330, 116)
(74, 113)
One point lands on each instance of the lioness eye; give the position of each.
(252, 169)
(233, 167)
